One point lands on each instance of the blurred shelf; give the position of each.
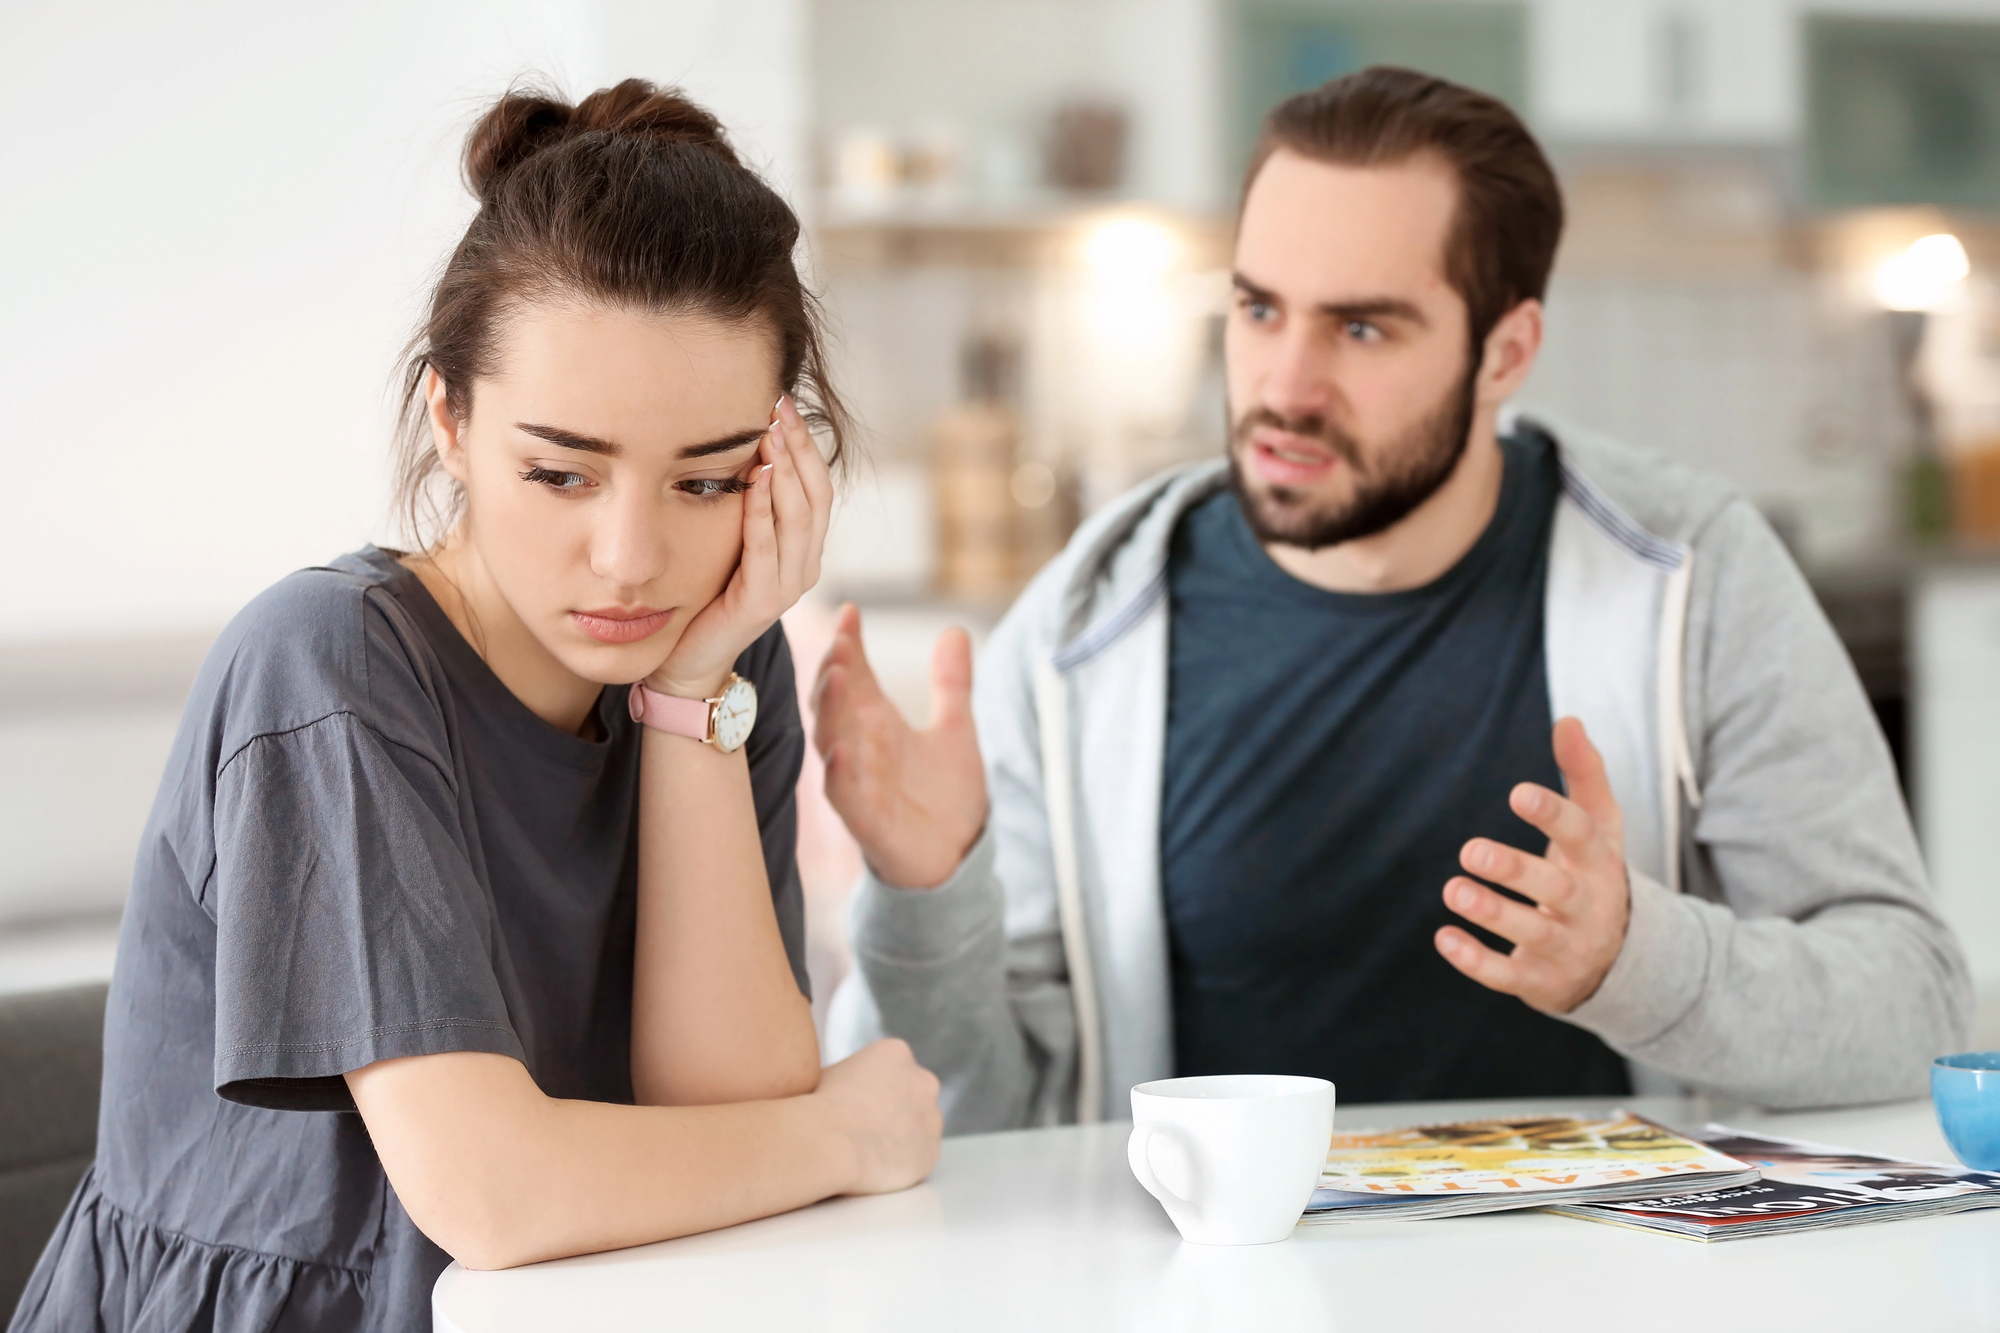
(1038, 234)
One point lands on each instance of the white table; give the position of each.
(1046, 1230)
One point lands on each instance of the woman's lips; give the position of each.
(1284, 460)
(620, 625)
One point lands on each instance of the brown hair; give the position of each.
(1510, 210)
(632, 198)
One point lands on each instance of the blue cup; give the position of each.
(1966, 1091)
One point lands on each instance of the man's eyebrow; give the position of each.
(1251, 289)
(1375, 307)
(590, 444)
(1368, 307)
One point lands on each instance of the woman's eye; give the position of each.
(554, 480)
(709, 487)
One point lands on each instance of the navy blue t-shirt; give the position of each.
(1328, 754)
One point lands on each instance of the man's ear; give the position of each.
(1511, 349)
(446, 428)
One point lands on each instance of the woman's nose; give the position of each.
(627, 548)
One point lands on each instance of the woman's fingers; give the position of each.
(814, 476)
(793, 514)
(757, 572)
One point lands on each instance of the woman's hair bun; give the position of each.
(526, 120)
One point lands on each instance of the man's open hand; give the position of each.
(1569, 933)
(914, 800)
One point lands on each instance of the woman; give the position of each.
(444, 943)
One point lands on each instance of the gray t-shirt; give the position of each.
(364, 847)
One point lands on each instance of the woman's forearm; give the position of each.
(499, 1175)
(716, 1012)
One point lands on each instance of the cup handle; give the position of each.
(1138, 1150)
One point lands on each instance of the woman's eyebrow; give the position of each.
(569, 439)
(590, 444)
(725, 444)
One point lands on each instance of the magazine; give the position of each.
(1483, 1166)
(1804, 1187)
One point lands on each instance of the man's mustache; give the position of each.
(1311, 427)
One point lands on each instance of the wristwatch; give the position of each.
(723, 721)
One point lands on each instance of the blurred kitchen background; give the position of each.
(218, 221)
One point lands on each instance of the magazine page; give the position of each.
(1804, 1186)
(1522, 1156)
(1857, 1177)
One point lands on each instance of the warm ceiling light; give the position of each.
(1924, 276)
(1131, 247)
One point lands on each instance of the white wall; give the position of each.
(1955, 631)
(217, 227)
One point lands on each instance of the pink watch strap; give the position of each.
(668, 713)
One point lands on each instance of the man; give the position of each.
(1261, 743)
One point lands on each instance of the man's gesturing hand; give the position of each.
(914, 800)
(1569, 933)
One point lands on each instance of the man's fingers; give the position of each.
(1492, 970)
(844, 784)
(1501, 915)
(847, 622)
(1583, 770)
(847, 650)
(1565, 822)
(951, 677)
(1526, 874)
(830, 708)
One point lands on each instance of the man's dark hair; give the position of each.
(1510, 211)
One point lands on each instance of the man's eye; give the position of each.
(1363, 332)
(1260, 312)
(554, 480)
(709, 487)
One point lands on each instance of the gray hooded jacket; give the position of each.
(1782, 947)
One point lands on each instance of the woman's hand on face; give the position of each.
(785, 513)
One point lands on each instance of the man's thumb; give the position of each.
(951, 677)
(1583, 769)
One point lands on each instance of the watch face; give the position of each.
(735, 715)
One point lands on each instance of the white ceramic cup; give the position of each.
(1232, 1157)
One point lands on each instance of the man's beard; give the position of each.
(1410, 472)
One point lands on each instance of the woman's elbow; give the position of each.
(487, 1252)
(483, 1232)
